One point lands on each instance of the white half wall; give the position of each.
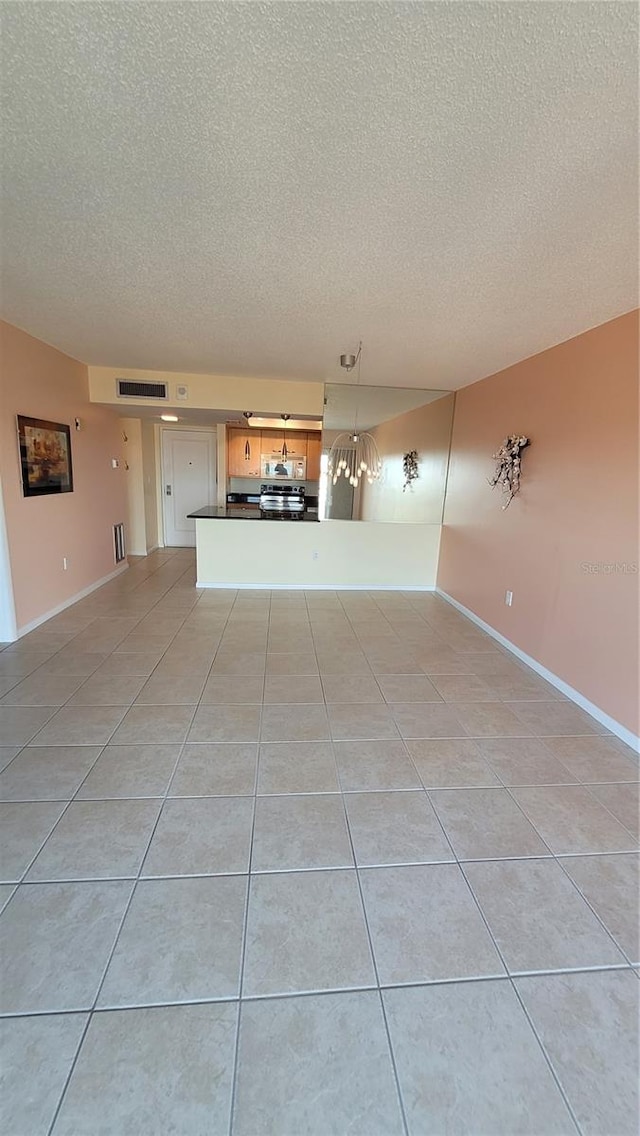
(329, 554)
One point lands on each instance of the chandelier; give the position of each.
(354, 453)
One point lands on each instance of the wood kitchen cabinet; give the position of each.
(296, 442)
(243, 452)
(300, 444)
(314, 452)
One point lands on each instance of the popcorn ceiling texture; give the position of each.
(251, 188)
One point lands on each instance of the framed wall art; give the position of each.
(45, 456)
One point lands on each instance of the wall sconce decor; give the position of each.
(509, 459)
(410, 468)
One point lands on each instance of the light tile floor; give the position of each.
(292, 863)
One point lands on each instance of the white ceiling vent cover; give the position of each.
(128, 388)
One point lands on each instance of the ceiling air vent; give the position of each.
(127, 388)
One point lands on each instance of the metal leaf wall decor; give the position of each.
(410, 468)
(509, 459)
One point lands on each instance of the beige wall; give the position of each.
(40, 382)
(427, 430)
(213, 392)
(328, 554)
(150, 488)
(578, 402)
(136, 526)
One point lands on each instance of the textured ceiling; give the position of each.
(252, 188)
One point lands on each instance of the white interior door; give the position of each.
(189, 480)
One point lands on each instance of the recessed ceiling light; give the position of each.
(169, 417)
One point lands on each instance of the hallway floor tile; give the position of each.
(307, 863)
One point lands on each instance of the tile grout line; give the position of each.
(430, 788)
(245, 921)
(250, 873)
(508, 975)
(115, 944)
(510, 978)
(86, 678)
(557, 860)
(88, 1018)
(588, 786)
(110, 955)
(410, 984)
(67, 804)
(373, 867)
(374, 962)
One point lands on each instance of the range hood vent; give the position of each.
(128, 388)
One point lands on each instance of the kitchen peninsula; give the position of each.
(275, 474)
(326, 554)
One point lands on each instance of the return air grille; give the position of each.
(118, 542)
(127, 388)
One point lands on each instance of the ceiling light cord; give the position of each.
(354, 456)
(359, 362)
(285, 453)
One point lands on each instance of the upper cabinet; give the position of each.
(245, 447)
(243, 452)
(314, 451)
(296, 440)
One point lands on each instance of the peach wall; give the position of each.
(40, 382)
(578, 506)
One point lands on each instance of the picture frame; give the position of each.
(45, 456)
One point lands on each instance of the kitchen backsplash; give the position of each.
(252, 485)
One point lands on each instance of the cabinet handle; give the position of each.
(247, 451)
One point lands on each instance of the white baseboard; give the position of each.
(72, 599)
(321, 587)
(605, 720)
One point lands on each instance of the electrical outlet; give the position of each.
(508, 598)
(64, 564)
(314, 555)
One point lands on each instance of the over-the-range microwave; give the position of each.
(283, 469)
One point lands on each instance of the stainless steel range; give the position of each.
(285, 502)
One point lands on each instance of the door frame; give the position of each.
(162, 430)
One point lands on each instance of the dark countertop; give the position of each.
(244, 513)
(254, 499)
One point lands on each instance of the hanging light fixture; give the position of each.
(247, 446)
(285, 418)
(354, 454)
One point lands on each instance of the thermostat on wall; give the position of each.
(182, 392)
